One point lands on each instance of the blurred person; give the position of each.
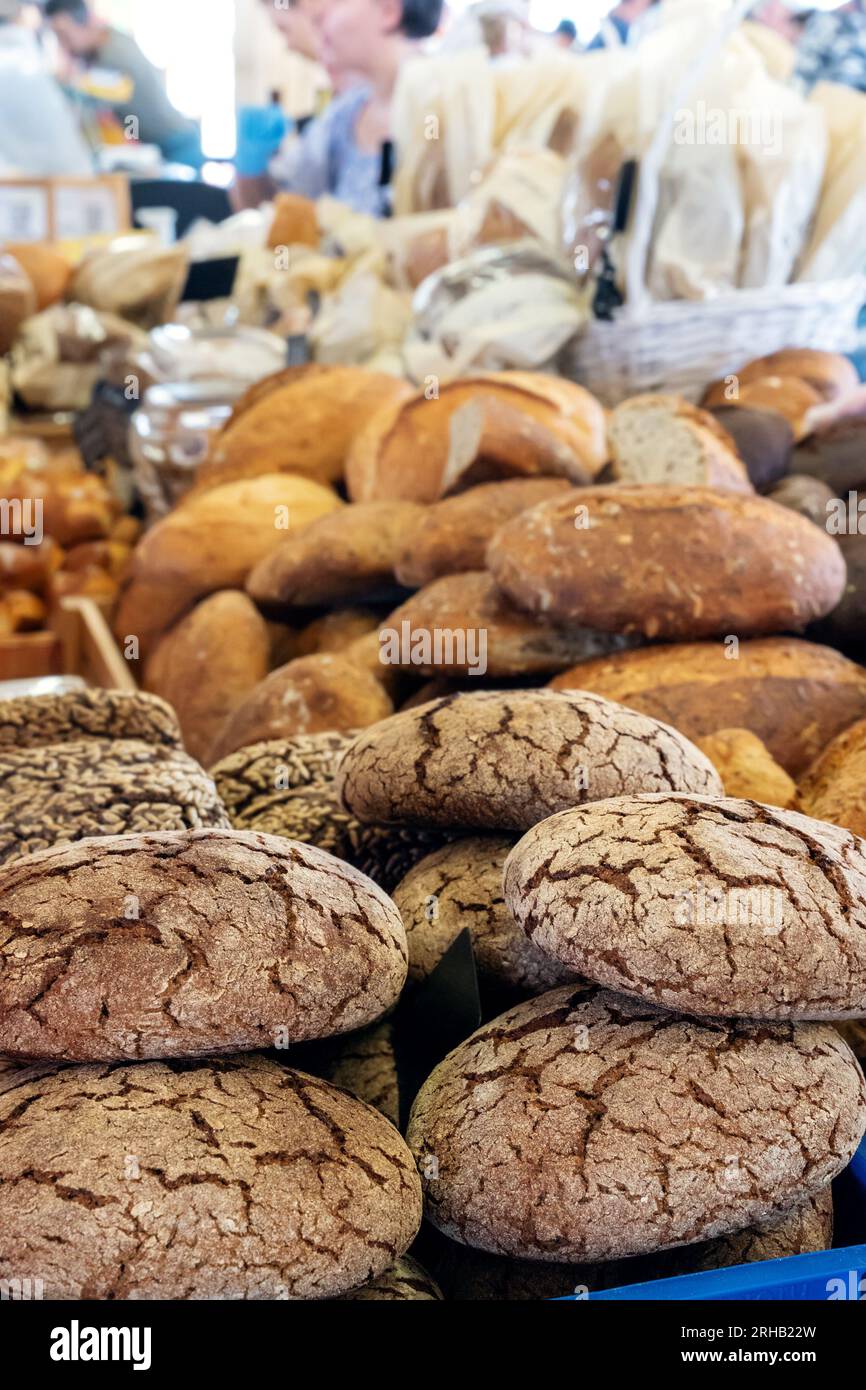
(298, 22)
(833, 48)
(342, 151)
(94, 44)
(622, 24)
(39, 132)
(565, 35)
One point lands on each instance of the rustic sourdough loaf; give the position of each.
(793, 695)
(583, 1125)
(828, 373)
(717, 907)
(664, 439)
(788, 396)
(503, 760)
(668, 562)
(208, 663)
(219, 1153)
(189, 943)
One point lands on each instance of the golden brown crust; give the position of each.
(834, 787)
(747, 768)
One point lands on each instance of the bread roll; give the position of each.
(793, 695)
(788, 396)
(499, 425)
(828, 373)
(294, 222)
(302, 420)
(211, 542)
(663, 439)
(668, 562)
(808, 496)
(762, 438)
(835, 455)
(28, 566)
(48, 270)
(207, 664)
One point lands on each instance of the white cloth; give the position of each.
(39, 134)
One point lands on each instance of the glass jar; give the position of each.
(170, 435)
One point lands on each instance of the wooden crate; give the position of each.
(79, 643)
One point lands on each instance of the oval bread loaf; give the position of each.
(711, 906)
(34, 721)
(184, 944)
(232, 1179)
(668, 562)
(504, 760)
(582, 1125)
(834, 787)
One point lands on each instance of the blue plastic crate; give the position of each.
(839, 1273)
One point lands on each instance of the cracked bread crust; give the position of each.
(459, 887)
(188, 944)
(363, 1063)
(32, 721)
(712, 907)
(263, 768)
(404, 1281)
(503, 760)
(214, 1180)
(73, 791)
(585, 1126)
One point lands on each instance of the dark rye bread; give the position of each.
(457, 888)
(474, 1275)
(32, 721)
(503, 760)
(364, 1063)
(794, 696)
(405, 1281)
(225, 1179)
(668, 562)
(712, 906)
(585, 1126)
(72, 791)
(180, 945)
(451, 537)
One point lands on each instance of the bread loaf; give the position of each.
(719, 908)
(762, 438)
(35, 721)
(190, 943)
(828, 373)
(836, 455)
(503, 760)
(808, 496)
(793, 695)
(294, 222)
(314, 694)
(788, 396)
(207, 665)
(584, 1126)
(48, 270)
(28, 566)
(663, 439)
(747, 768)
(211, 542)
(220, 1154)
(363, 1063)
(301, 420)
(261, 769)
(833, 788)
(668, 562)
(504, 424)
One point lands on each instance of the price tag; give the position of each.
(24, 213)
(83, 210)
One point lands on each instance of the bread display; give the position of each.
(211, 542)
(451, 537)
(301, 421)
(207, 665)
(833, 788)
(245, 940)
(794, 696)
(35, 721)
(501, 425)
(315, 694)
(551, 1125)
(747, 768)
(73, 791)
(505, 760)
(701, 563)
(718, 908)
(210, 1159)
(346, 557)
(457, 888)
(663, 439)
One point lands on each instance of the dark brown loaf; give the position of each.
(311, 695)
(72, 791)
(714, 907)
(181, 945)
(668, 562)
(346, 557)
(845, 627)
(208, 664)
(33, 721)
(795, 696)
(498, 760)
(452, 536)
(274, 1184)
(584, 1126)
(836, 455)
(808, 496)
(763, 439)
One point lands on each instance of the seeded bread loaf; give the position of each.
(98, 1163)
(504, 760)
(715, 907)
(261, 769)
(405, 1281)
(187, 944)
(668, 562)
(34, 721)
(584, 1126)
(795, 696)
